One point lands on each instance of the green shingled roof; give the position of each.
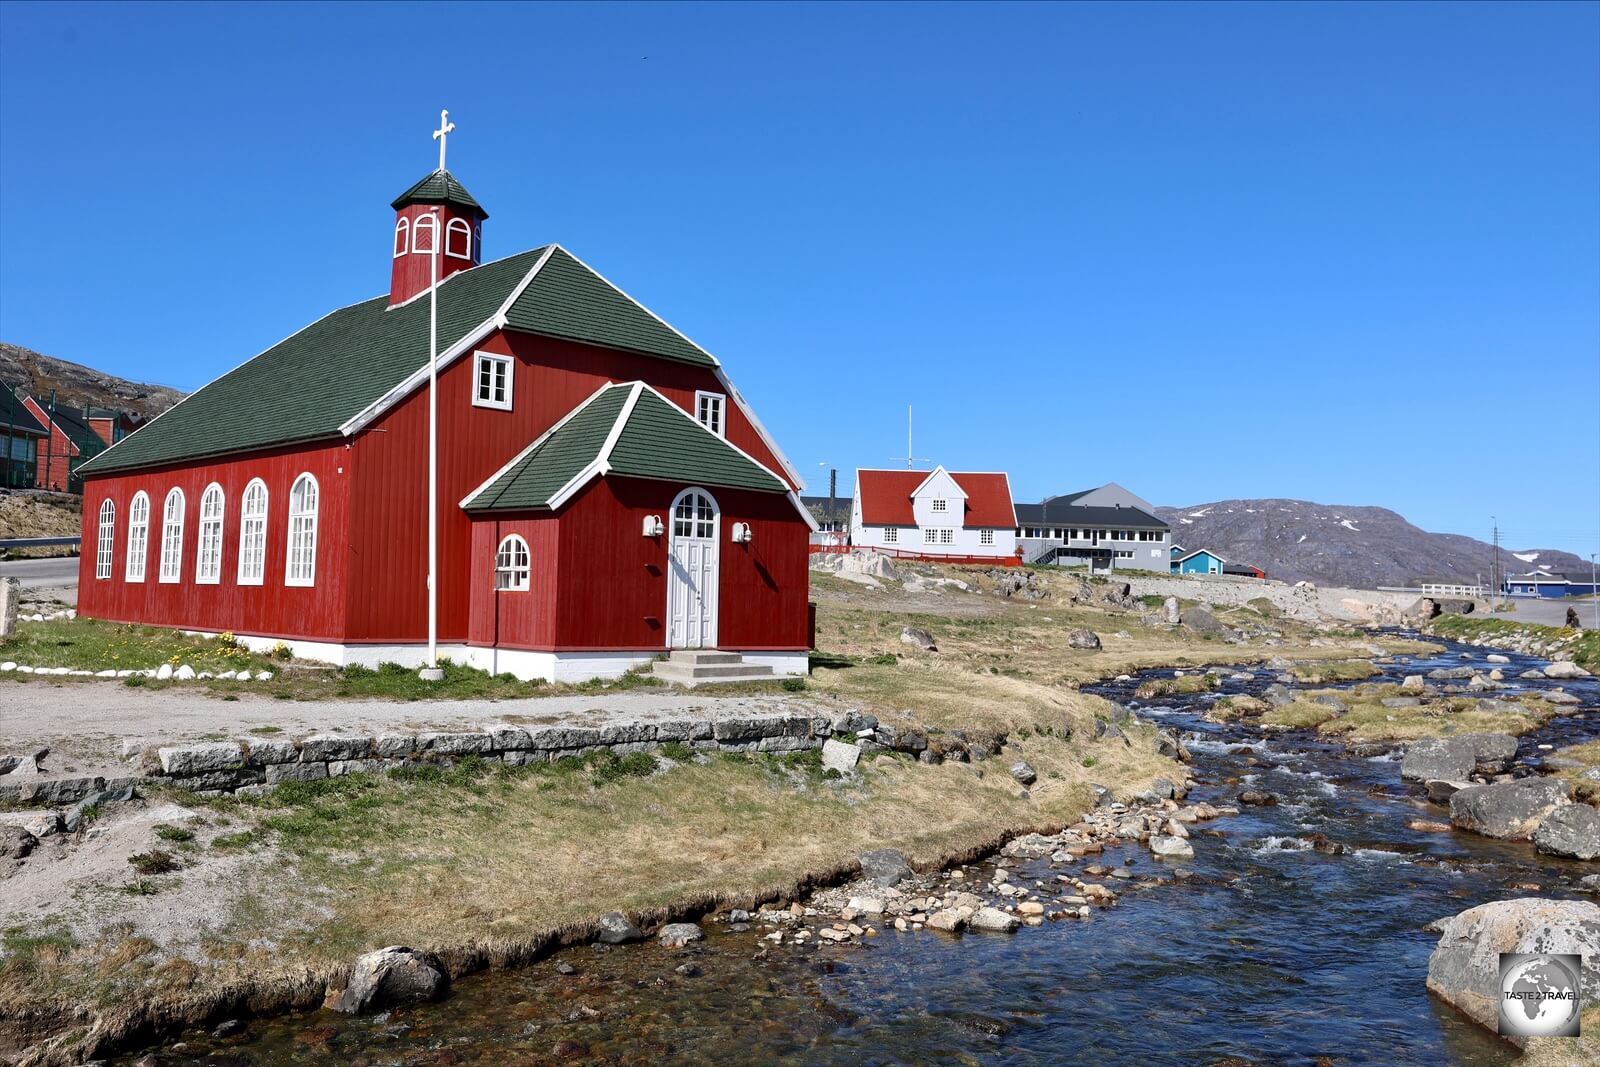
(309, 386)
(440, 187)
(657, 439)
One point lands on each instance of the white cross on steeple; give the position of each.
(446, 127)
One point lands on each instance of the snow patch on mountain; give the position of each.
(1526, 557)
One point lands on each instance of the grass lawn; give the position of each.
(1580, 646)
(1369, 720)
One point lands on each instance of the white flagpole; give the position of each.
(433, 673)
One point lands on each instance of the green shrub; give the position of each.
(156, 861)
(677, 751)
(168, 832)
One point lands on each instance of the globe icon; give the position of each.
(1539, 997)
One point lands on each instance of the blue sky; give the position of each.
(1346, 253)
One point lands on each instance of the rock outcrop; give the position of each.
(1572, 830)
(1465, 966)
(1511, 810)
(388, 977)
(1454, 759)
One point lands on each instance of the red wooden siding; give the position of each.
(412, 272)
(514, 619)
(54, 455)
(388, 601)
(609, 591)
(271, 609)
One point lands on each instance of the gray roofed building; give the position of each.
(1102, 529)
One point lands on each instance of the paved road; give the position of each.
(40, 573)
(1554, 612)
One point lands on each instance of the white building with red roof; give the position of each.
(935, 514)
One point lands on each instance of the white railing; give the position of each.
(1471, 592)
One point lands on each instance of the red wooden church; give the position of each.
(605, 493)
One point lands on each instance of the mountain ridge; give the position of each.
(1340, 544)
(77, 385)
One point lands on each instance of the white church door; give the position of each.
(692, 583)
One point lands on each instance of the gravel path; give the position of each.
(84, 725)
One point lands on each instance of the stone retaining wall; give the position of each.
(254, 765)
(1308, 603)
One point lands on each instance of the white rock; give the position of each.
(61, 670)
(839, 756)
(1172, 847)
(24, 670)
(183, 673)
(105, 674)
(226, 676)
(263, 676)
(204, 674)
(164, 672)
(8, 665)
(870, 905)
(124, 674)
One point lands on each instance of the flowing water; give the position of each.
(1270, 952)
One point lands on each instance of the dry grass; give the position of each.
(1588, 754)
(1353, 670)
(1300, 715)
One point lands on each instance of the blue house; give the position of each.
(1547, 584)
(1200, 561)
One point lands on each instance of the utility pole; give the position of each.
(1594, 593)
(1494, 575)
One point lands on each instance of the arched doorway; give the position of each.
(692, 583)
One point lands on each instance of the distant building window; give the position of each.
(511, 565)
(430, 225)
(492, 388)
(941, 505)
(947, 537)
(138, 536)
(172, 536)
(458, 240)
(1124, 553)
(253, 533)
(208, 554)
(708, 410)
(938, 536)
(985, 537)
(302, 563)
(891, 535)
(105, 539)
(402, 237)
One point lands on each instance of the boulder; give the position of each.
(1414, 683)
(1277, 694)
(885, 866)
(948, 920)
(1171, 847)
(839, 756)
(994, 919)
(1455, 758)
(1258, 798)
(1507, 809)
(1564, 669)
(1023, 772)
(1464, 968)
(1170, 606)
(1448, 674)
(390, 976)
(1572, 830)
(15, 841)
(1495, 657)
(1200, 620)
(919, 638)
(615, 929)
(1440, 790)
(676, 935)
(1084, 639)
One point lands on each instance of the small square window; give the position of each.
(492, 382)
(940, 505)
(985, 537)
(708, 412)
(891, 536)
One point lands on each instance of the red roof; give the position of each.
(886, 497)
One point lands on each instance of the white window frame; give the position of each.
(105, 539)
(891, 535)
(253, 535)
(208, 545)
(985, 537)
(478, 399)
(719, 404)
(402, 237)
(138, 538)
(947, 536)
(449, 230)
(433, 234)
(941, 504)
(172, 515)
(302, 524)
(519, 572)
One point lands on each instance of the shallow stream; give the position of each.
(1270, 952)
